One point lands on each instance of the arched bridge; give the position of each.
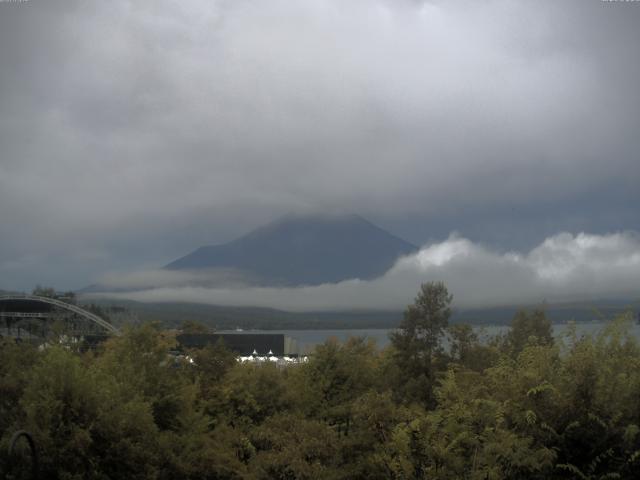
(56, 303)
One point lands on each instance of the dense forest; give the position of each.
(522, 405)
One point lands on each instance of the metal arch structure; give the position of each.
(32, 448)
(66, 306)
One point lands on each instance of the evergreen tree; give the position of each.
(418, 340)
(529, 329)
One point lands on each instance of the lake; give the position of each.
(308, 339)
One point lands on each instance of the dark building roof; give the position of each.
(240, 343)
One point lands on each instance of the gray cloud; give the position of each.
(159, 278)
(134, 132)
(564, 267)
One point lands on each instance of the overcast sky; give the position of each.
(134, 132)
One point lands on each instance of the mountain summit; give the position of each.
(304, 250)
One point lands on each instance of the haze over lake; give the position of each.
(309, 339)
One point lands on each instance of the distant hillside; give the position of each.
(173, 314)
(304, 250)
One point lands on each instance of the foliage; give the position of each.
(520, 406)
(418, 341)
(191, 326)
(41, 291)
(528, 328)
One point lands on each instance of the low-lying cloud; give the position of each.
(158, 278)
(564, 267)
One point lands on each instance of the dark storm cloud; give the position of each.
(133, 132)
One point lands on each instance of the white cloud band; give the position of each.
(563, 267)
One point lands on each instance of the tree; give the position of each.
(462, 340)
(41, 291)
(335, 376)
(86, 424)
(289, 446)
(529, 328)
(192, 326)
(252, 393)
(418, 340)
(466, 348)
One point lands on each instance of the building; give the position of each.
(244, 344)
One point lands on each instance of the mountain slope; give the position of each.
(305, 250)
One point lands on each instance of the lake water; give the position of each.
(308, 339)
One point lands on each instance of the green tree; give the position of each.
(461, 342)
(465, 348)
(41, 291)
(251, 393)
(16, 360)
(371, 450)
(210, 366)
(293, 447)
(192, 326)
(336, 375)
(85, 424)
(418, 340)
(529, 328)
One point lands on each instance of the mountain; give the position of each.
(304, 250)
